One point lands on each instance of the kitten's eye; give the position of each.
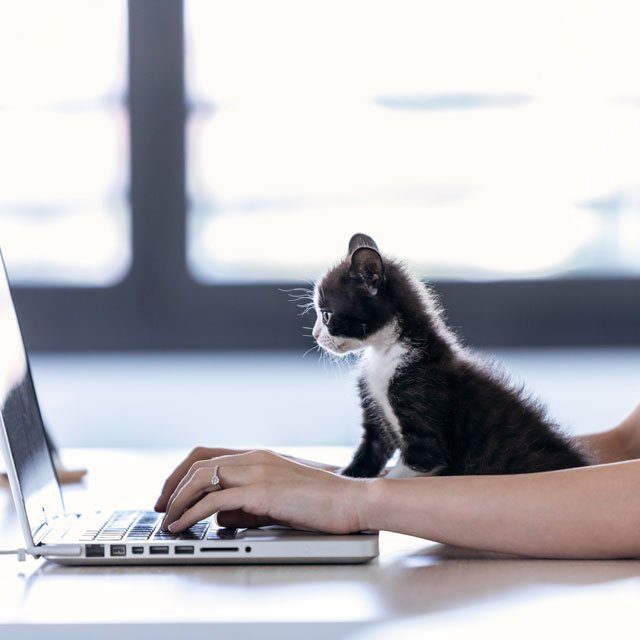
(326, 316)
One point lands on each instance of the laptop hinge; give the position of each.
(46, 527)
(41, 532)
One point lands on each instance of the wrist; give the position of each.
(372, 504)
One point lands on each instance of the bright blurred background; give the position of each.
(465, 135)
(64, 215)
(167, 167)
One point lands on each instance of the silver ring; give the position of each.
(215, 479)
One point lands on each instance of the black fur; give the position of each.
(457, 415)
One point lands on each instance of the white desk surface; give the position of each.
(414, 582)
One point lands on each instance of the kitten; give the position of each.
(421, 392)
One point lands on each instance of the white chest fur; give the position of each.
(379, 367)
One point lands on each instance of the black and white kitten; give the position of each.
(421, 391)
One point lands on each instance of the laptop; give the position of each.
(123, 537)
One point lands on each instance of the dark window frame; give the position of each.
(159, 305)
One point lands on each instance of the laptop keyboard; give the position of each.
(144, 525)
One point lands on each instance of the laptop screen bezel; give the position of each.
(32, 530)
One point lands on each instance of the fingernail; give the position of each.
(171, 527)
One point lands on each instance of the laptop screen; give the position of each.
(22, 421)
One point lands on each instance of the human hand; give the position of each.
(206, 453)
(197, 454)
(261, 487)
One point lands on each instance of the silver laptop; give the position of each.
(123, 537)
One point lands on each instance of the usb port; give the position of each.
(158, 550)
(183, 549)
(137, 550)
(94, 550)
(118, 550)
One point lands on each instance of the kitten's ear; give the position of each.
(367, 266)
(361, 240)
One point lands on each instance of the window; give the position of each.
(64, 215)
(479, 140)
(256, 137)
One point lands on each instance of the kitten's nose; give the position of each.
(316, 332)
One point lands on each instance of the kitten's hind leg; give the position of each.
(401, 470)
(421, 456)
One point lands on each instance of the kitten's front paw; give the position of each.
(351, 471)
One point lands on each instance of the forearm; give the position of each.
(313, 463)
(590, 512)
(617, 444)
(614, 445)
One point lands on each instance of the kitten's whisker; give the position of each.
(303, 289)
(305, 308)
(315, 346)
(311, 282)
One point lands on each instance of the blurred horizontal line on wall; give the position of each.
(452, 101)
(570, 313)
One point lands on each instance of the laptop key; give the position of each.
(223, 534)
